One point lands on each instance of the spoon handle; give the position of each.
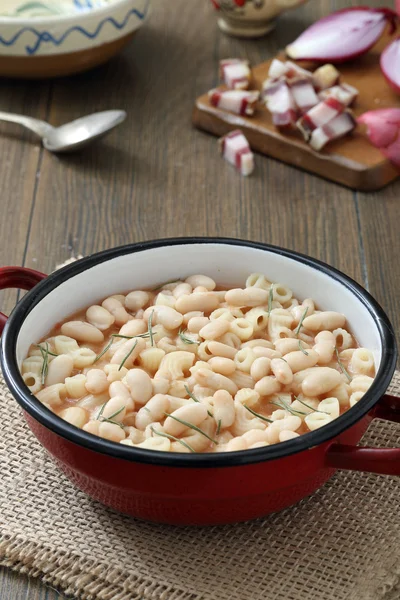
(41, 128)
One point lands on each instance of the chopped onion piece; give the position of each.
(343, 35)
(235, 73)
(344, 93)
(320, 115)
(303, 94)
(390, 64)
(236, 150)
(326, 76)
(383, 130)
(337, 128)
(241, 102)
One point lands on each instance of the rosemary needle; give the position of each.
(159, 287)
(283, 405)
(185, 339)
(253, 412)
(302, 349)
(172, 437)
(310, 407)
(118, 335)
(218, 427)
(111, 417)
(301, 321)
(48, 351)
(191, 426)
(150, 327)
(127, 356)
(270, 298)
(45, 365)
(344, 371)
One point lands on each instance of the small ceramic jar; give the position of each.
(250, 18)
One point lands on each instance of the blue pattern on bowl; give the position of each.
(47, 37)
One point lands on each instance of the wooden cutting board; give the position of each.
(351, 161)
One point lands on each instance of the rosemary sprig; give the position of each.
(45, 366)
(270, 298)
(172, 437)
(218, 427)
(253, 412)
(344, 371)
(285, 406)
(304, 351)
(159, 287)
(118, 335)
(184, 338)
(310, 407)
(48, 351)
(193, 397)
(111, 417)
(301, 321)
(127, 356)
(150, 327)
(191, 426)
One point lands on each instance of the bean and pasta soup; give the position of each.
(190, 367)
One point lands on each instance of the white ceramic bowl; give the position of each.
(47, 38)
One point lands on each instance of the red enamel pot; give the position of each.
(200, 488)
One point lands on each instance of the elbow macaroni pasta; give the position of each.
(191, 367)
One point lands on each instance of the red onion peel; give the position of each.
(343, 35)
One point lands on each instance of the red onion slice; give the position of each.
(342, 35)
(383, 130)
(390, 64)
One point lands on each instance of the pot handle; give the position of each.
(385, 461)
(17, 277)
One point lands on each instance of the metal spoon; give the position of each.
(71, 136)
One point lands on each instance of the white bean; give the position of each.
(128, 352)
(224, 366)
(215, 329)
(299, 360)
(260, 368)
(111, 432)
(59, 369)
(154, 410)
(204, 301)
(320, 380)
(99, 317)
(267, 386)
(82, 332)
(248, 297)
(96, 381)
(208, 378)
(133, 327)
(140, 386)
(282, 371)
(136, 300)
(116, 308)
(194, 414)
(324, 320)
(115, 409)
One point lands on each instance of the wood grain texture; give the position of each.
(19, 166)
(157, 176)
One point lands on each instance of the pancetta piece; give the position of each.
(235, 73)
(236, 150)
(241, 102)
(335, 129)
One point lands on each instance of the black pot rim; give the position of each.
(224, 459)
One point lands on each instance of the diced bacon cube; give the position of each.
(319, 115)
(335, 129)
(326, 77)
(241, 102)
(293, 70)
(235, 73)
(277, 69)
(280, 103)
(303, 94)
(345, 93)
(236, 150)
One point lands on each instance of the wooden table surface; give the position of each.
(156, 176)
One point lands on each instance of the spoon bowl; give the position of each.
(71, 136)
(81, 132)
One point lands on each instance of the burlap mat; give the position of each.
(343, 543)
